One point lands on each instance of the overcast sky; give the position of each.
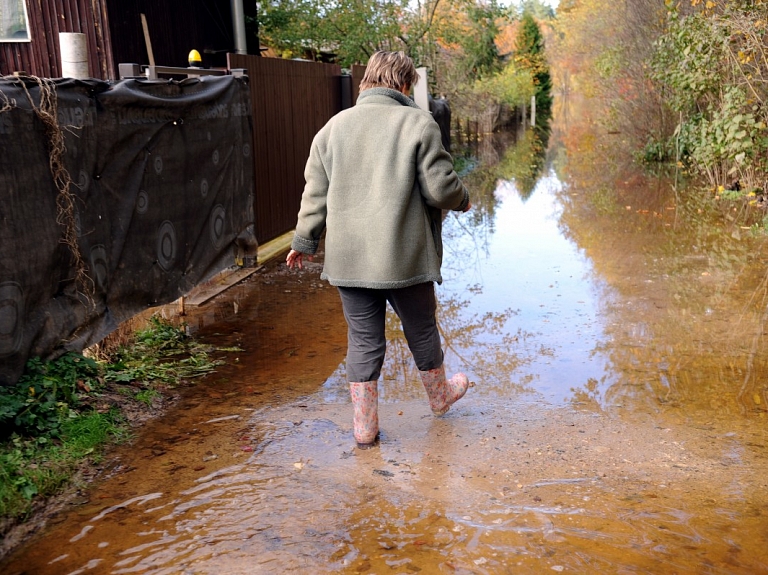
(552, 3)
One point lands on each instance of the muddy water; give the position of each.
(617, 422)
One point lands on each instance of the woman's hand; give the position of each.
(296, 259)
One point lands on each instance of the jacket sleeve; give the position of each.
(440, 184)
(314, 204)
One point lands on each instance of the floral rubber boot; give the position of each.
(365, 401)
(443, 393)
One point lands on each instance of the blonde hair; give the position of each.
(389, 70)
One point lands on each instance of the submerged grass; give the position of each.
(64, 413)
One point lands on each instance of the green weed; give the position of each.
(146, 396)
(46, 395)
(48, 420)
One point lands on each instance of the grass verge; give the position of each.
(63, 414)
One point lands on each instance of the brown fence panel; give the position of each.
(358, 72)
(47, 18)
(291, 101)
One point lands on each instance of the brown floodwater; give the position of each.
(616, 425)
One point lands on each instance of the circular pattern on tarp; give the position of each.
(142, 202)
(246, 150)
(11, 318)
(84, 181)
(217, 224)
(204, 188)
(158, 164)
(215, 158)
(166, 245)
(99, 267)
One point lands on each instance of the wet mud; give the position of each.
(616, 425)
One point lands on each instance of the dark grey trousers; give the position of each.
(365, 311)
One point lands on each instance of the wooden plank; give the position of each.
(147, 40)
(274, 248)
(103, 40)
(226, 279)
(218, 285)
(47, 20)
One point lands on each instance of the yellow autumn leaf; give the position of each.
(710, 4)
(756, 398)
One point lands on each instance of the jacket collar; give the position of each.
(394, 94)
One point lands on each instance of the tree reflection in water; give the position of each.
(686, 297)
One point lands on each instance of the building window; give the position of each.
(14, 23)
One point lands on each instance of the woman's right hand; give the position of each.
(296, 259)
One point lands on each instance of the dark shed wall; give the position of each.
(175, 28)
(47, 18)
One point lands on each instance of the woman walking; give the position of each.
(377, 180)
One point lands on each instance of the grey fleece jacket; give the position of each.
(378, 179)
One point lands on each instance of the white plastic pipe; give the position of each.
(238, 25)
(74, 55)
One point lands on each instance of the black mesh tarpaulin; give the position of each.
(156, 196)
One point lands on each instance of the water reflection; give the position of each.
(686, 307)
(638, 293)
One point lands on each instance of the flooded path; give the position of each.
(617, 423)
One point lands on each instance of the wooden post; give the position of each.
(421, 90)
(524, 114)
(469, 133)
(147, 40)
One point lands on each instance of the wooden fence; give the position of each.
(46, 19)
(357, 76)
(291, 100)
